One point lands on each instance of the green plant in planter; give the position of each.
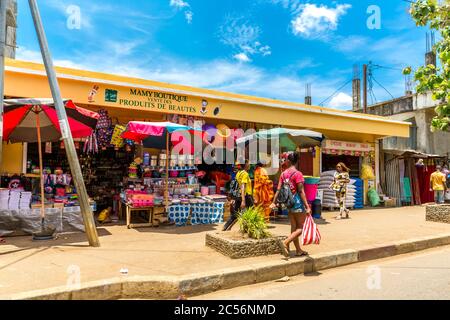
(252, 222)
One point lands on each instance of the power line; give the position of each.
(383, 87)
(385, 67)
(336, 92)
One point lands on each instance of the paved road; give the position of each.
(417, 276)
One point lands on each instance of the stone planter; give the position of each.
(438, 213)
(235, 246)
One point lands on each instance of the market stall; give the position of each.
(169, 181)
(26, 201)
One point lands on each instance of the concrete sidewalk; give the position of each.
(170, 251)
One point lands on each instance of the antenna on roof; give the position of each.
(308, 97)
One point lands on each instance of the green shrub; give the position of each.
(252, 222)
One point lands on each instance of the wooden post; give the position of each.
(41, 165)
(365, 88)
(72, 157)
(3, 9)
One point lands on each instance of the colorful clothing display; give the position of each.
(263, 191)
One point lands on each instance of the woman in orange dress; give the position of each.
(263, 190)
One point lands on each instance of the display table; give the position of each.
(129, 209)
(198, 213)
(28, 221)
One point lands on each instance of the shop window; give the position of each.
(330, 161)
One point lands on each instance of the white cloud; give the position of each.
(122, 48)
(25, 54)
(183, 5)
(223, 75)
(316, 21)
(242, 57)
(189, 15)
(341, 101)
(179, 4)
(242, 36)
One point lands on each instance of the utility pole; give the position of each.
(71, 152)
(365, 88)
(356, 88)
(3, 6)
(308, 96)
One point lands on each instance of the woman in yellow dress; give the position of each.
(263, 190)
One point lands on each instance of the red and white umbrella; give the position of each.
(22, 117)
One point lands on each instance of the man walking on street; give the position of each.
(438, 185)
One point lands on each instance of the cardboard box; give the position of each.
(391, 202)
(38, 206)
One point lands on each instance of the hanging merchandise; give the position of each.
(116, 139)
(198, 124)
(48, 147)
(91, 146)
(104, 129)
(191, 122)
(367, 172)
(104, 120)
(104, 137)
(183, 121)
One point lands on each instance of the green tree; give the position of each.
(436, 15)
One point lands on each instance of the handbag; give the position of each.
(310, 234)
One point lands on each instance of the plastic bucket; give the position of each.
(311, 191)
(204, 190)
(316, 209)
(312, 180)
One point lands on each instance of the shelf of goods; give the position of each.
(329, 200)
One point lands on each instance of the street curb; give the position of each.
(191, 285)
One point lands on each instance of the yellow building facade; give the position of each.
(128, 98)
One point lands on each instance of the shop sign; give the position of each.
(347, 146)
(152, 100)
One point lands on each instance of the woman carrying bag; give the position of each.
(291, 194)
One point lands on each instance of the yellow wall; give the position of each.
(316, 163)
(76, 85)
(12, 158)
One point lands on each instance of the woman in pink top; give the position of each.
(297, 215)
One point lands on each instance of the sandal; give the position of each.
(301, 254)
(339, 217)
(347, 215)
(284, 249)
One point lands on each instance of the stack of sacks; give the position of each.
(359, 195)
(4, 199)
(14, 199)
(25, 200)
(329, 196)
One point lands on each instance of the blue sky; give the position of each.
(268, 48)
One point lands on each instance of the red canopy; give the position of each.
(20, 116)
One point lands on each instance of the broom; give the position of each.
(47, 232)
